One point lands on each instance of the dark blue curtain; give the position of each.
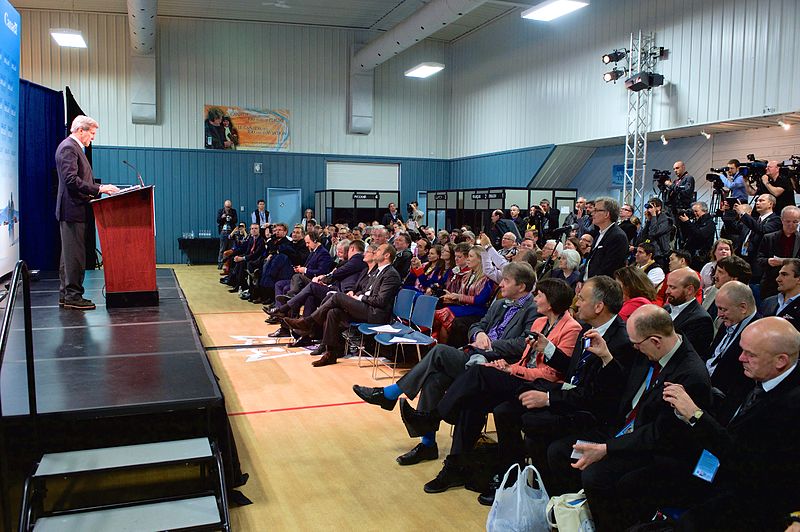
(41, 129)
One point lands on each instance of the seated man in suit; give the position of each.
(783, 244)
(610, 248)
(318, 262)
(688, 316)
(736, 308)
(499, 334)
(402, 261)
(728, 269)
(248, 261)
(785, 304)
(371, 301)
(645, 430)
(756, 439)
(277, 264)
(754, 229)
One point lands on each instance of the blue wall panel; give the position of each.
(513, 169)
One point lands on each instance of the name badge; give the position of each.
(627, 429)
(707, 466)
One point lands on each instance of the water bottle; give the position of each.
(191, 233)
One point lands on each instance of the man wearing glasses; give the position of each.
(777, 246)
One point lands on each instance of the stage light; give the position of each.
(664, 140)
(423, 70)
(552, 9)
(615, 56)
(706, 135)
(784, 125)
(644, 81)
(68, 38)
(613, 75)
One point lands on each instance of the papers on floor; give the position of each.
(385, 329)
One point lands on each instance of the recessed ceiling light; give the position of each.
(68, 38)
(552, 9)
(423, 70)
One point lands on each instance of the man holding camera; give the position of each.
(414, 216)
(772, 182)
(699, 233)
(226, 222)
(733, 180)
(679, 194)
(753, 231)
(656, 230)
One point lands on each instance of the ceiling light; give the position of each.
(664, 140)
(68, 38)
(614, 75)
(784, 125)
(706, 135)
(552, 9)
(615, 57)
(423, 70)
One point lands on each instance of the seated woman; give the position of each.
(422, 276)
(637, 289)
(468, 293)
(721, 248)
(557, 326)
(568, 263)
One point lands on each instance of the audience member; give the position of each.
(785, 304)
(645, 261)
(752, 233)
(637, 290)
(391, 217)
(509, 246)
(226, 223)
(422, 277)
(657, 229)
(499, 226)
(260, 215)
(721, 248)
(775, 247)
(728, 269)
(698, 233)
(569, 261)
(688, 316)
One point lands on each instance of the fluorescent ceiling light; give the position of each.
(68, 38)
(423, 70)
(552, 9)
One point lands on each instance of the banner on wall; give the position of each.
(9, 137)
(238, 128)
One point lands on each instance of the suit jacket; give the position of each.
(221, 221)
(387, 219)
(609, 254)
(697, 326)
(76, 184)
(503, 226)
(769, 307)
(758, 449)
(657, 428)
(629, 229)
(728, 373)
(564, 335)
(254, 252)
(656, 231)
(512, 342)
(383, 288)
(345, 276)
(770, 248)
(319, 262)
(755, 229)
(402, 262)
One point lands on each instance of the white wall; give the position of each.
(303, 69)
(520, 83)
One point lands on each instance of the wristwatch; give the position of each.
(695, 417)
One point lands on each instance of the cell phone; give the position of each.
(532, 335)
(587, 342)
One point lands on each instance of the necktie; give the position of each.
(751, 399)
(576, 377)
(652, 375)
(723, 345)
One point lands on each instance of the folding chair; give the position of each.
(401, 314)
(421, 319)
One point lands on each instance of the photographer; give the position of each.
(656, 230)
(699, 233)
(580, 217)
(679, 194)
(734, 181)
(226, 222)
(414, 216)
(773, 183)
(753, 230)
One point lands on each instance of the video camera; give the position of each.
(790, 167)
(753, 169)
(715, 179)
(660, 177)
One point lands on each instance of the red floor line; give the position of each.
(293, 408)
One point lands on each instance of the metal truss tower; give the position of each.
(642, 57)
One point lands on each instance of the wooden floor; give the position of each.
(318, 457)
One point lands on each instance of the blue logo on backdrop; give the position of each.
(9, 137)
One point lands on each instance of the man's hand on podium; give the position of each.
(108, 189)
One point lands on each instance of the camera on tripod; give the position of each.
(660, 177)
(715, 179)
(790, 167)
(753, 169)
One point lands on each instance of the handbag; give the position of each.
(519, 507)
(570, 513)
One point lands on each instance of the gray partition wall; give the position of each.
(353, 206)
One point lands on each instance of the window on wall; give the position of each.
(361, 176)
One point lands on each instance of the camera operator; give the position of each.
(773, 183)
(699, 233)
(226, 222)
(679, 193)
(754, 229)
(579, 217)
(734, 181)
(414, 216)
(656, 230)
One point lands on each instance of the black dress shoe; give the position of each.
(419, 454)
(320, 350)
(487, 497)
(417, 423)
(232, 290)
(223, 280)
(301, 326)
(451, 475)
(303, 341)
(282, 299)
(374, 396)
(280, 333)
(272, 320)
(326, 360)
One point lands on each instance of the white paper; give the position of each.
(402, 340)
(576, 454)
(385, 329)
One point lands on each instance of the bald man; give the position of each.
(689, 317)
(772, 182)
(679, 192)
(756, 439)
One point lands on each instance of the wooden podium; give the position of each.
(126, 227)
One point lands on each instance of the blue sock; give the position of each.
(392, 392)
(429, 439)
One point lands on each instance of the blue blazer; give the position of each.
(319, 262)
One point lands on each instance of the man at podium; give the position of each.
(76, 187)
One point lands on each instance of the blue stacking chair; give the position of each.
(421, 320)
(401, 312)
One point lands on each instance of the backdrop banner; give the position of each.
(252, 129)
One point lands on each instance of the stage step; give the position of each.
(169, 515)
(124, 456)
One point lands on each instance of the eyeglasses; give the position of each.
(637, 344)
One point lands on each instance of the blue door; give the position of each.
(284, 205)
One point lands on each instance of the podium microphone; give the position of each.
(138, 175)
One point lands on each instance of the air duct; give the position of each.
(143, 80)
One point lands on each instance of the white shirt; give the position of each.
(596, 245)
(676, 310)
(601, 330)
(725, 343)
(775, 381)
(662, 362)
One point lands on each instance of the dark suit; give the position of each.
(402, 262)
(76, 187)
(503, 226)
(388, 219)
(608, 255)
(656, 231)
(728, 375)
(696, 325)
(443, 364)
(770, 247)
(317, 262)
(753, 231)
(342, 279)
(614, 485)
(791, 313)
(338, 310)
(629, 229)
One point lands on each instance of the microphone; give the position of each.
(138, 175)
